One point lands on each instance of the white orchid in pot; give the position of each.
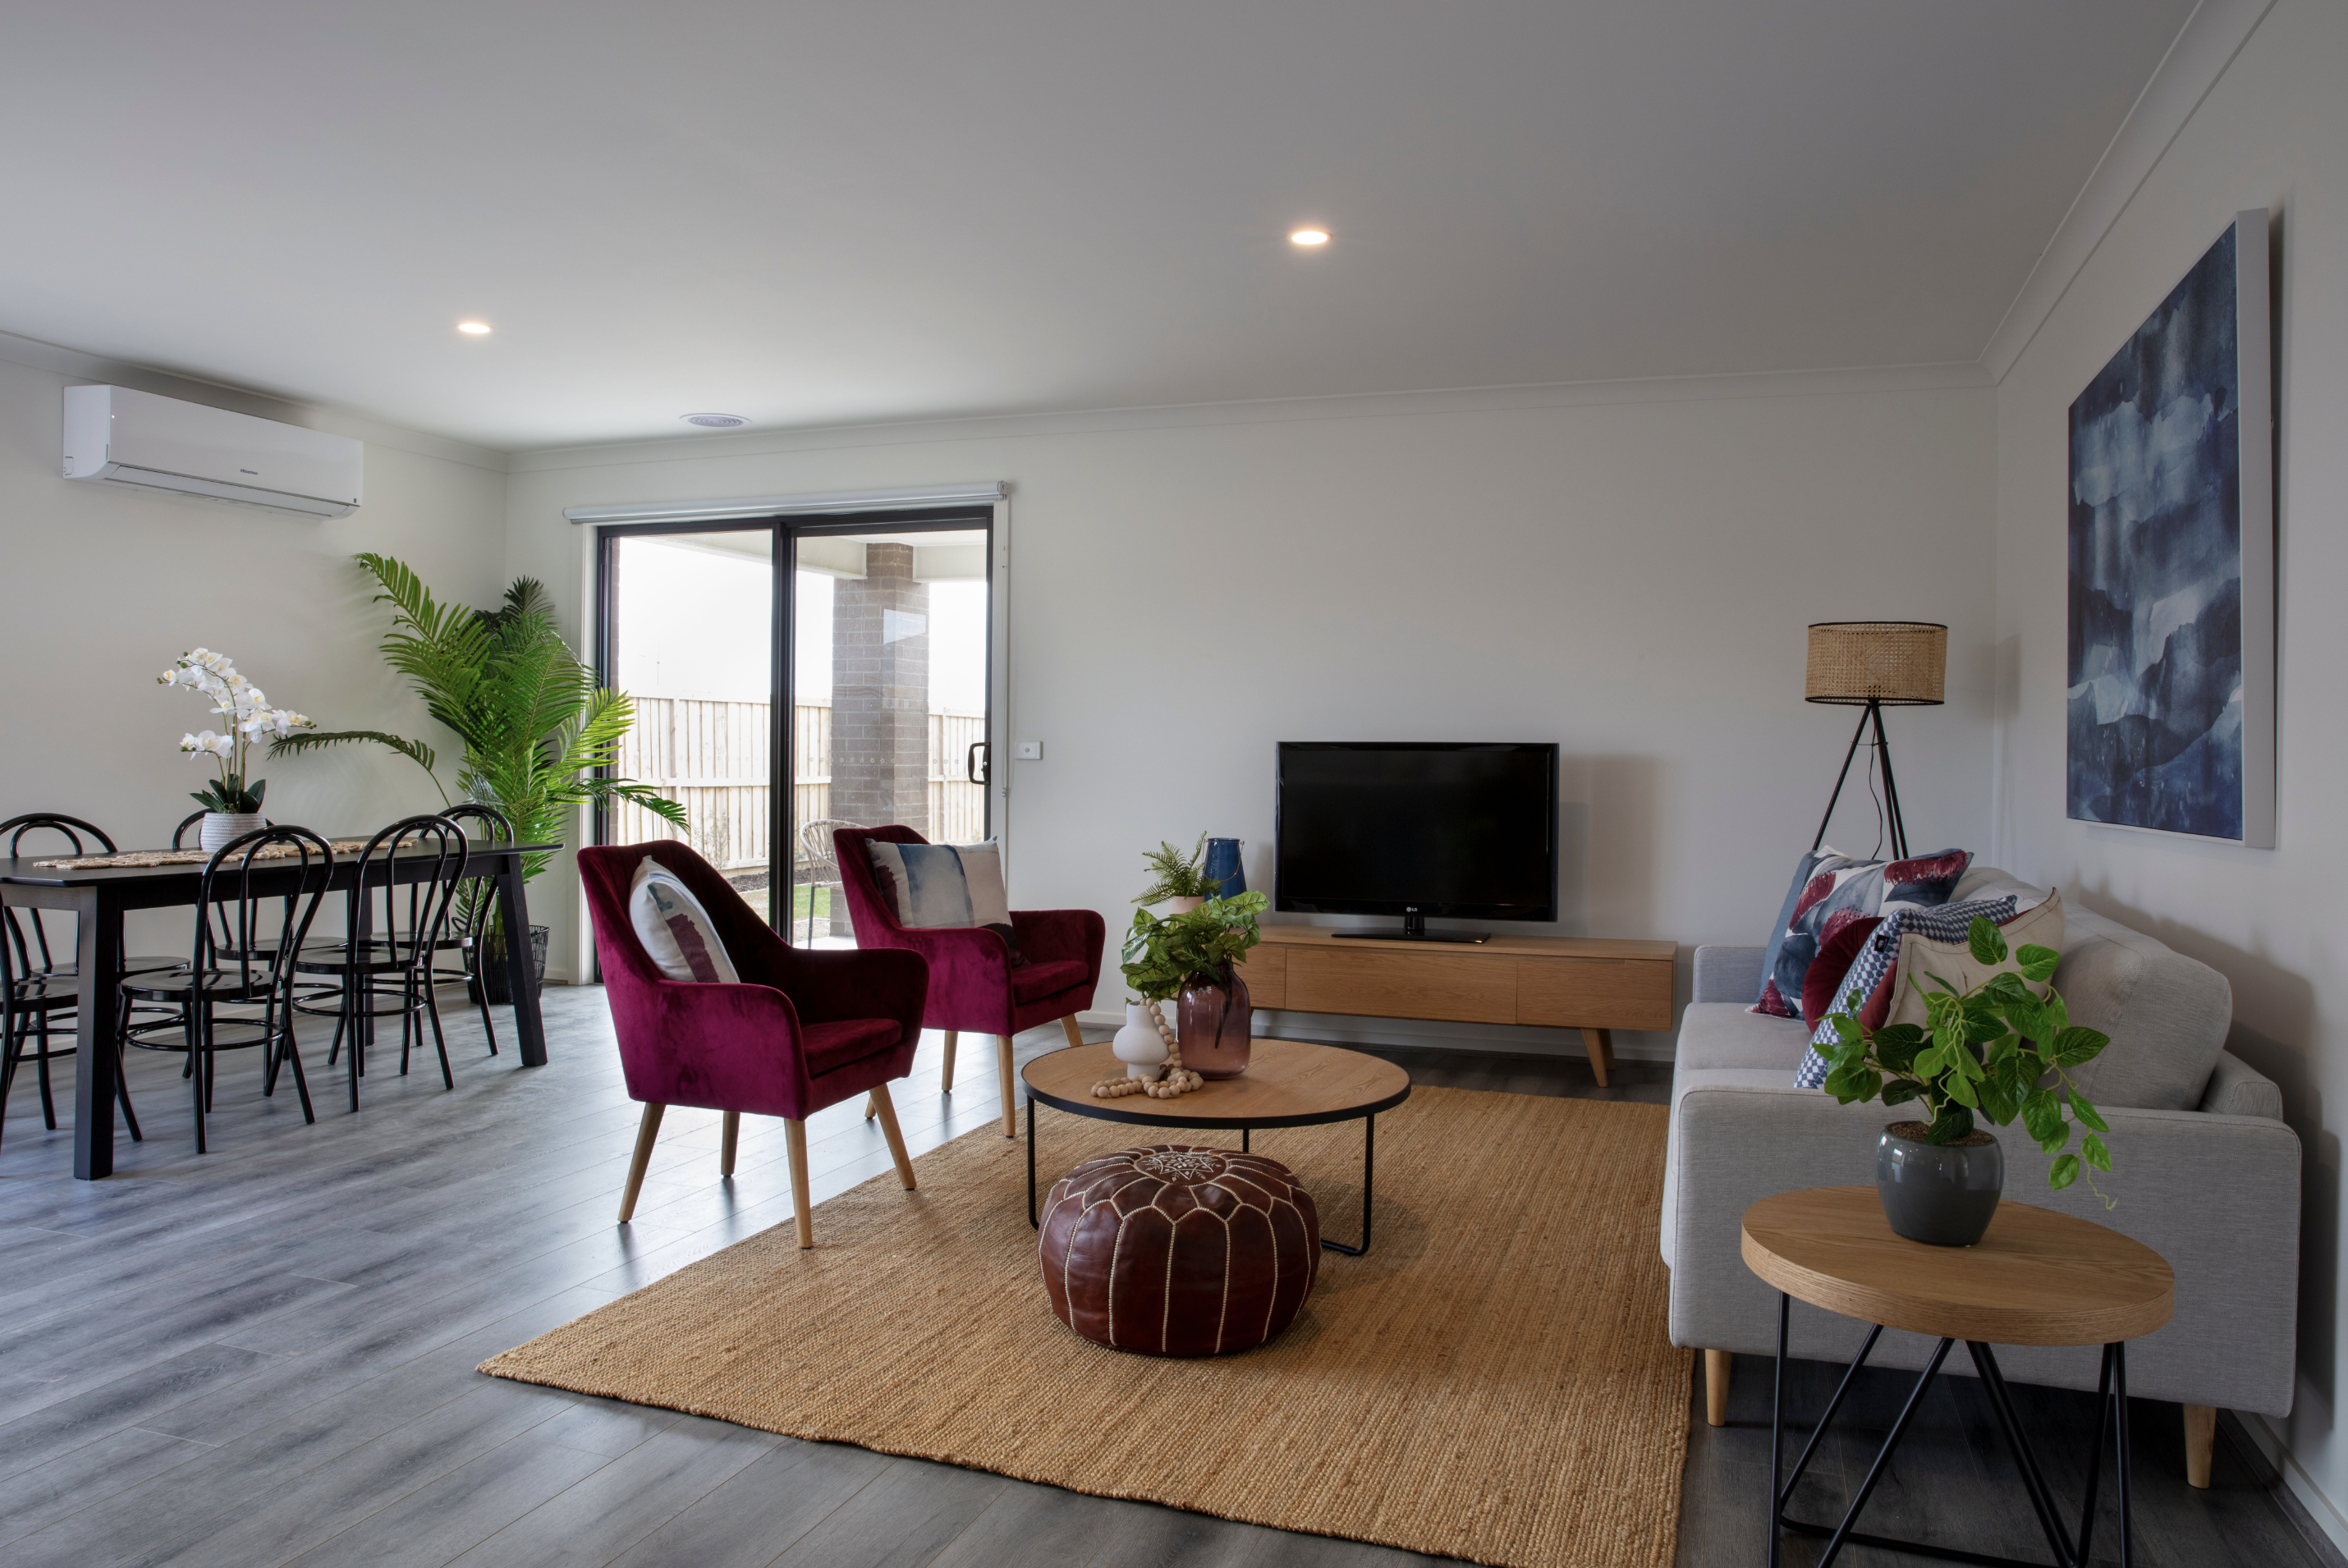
(232, 802)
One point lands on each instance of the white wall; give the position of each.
(2270, 134)
(1631, 578)
(104, 585)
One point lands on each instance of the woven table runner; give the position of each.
(191, 857)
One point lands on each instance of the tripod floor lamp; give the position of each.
(1876, 664)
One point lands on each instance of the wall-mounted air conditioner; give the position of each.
(117, 436)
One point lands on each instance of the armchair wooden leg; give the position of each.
(795, 1136)
(953, 1037)
(1068, 1028)
(1010, 1105)
(896, 1139)
(2200, 1432)
(726, 1150)
(1715, 1387)
(869, 1107)
(647, 1130)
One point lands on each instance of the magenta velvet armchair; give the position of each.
(972, 984)
(803, 1031)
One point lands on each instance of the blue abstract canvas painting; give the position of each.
(2171, 684)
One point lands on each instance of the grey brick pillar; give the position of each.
(881, 693)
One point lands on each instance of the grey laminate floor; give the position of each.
(265, 1356)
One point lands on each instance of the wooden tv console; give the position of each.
(1592, 983)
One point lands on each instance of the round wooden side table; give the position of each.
(2038, 1278)
(1289, 1083)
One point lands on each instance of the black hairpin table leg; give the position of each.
(2111, 1409)
(1031, 1162)
(1369, 1174)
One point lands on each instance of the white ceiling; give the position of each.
(818, 213)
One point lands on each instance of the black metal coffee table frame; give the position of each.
(2111, 1395)
(1245, 1126)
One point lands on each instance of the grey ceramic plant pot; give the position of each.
(1940, 1193)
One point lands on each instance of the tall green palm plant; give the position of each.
(538, 731)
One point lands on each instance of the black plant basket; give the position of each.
(493, 986)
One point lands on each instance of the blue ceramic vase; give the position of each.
(1224, 868)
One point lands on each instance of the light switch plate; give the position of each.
(1027, 750)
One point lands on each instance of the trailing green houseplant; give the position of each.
(538, 732)
(1192, 955)
(1998, 1051)
(1164, 953)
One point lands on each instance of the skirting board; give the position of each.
(1413, 1034)
(2311, 1514)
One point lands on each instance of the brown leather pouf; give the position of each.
(1173, 1251)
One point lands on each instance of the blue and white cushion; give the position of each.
(1880, 952)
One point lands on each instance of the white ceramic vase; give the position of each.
(1138, 1044)
(225, 828)
(1182, 905)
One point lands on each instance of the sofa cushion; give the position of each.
(2168, 1014)
(1837, 953)
(1923, 956)
(1842, 890)
(1729, 1034)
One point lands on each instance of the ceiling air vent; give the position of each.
(716, 421)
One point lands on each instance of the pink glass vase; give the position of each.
(1216, 1025)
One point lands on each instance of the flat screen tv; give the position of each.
(1454, 829)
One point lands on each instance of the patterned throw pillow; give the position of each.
(1840, 890)
(1923, 953)
(944, 887)
(675, 930)
(1875, 972)
(1836, 955)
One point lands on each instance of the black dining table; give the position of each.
(99, 897)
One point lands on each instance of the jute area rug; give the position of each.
(1491, 1382)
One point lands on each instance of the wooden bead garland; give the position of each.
(1176, 1080)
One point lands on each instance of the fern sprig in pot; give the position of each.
(1180, 879)
(2004, 1048)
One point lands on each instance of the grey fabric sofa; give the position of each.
(2205, 1172)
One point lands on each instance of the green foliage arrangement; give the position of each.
(1998, 1050)
(538, 731)
(1161, 956)
(1173, 874)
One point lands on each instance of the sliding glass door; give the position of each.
(849, 656)
(889, 681)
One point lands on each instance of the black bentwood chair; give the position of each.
(38, 980)
(384, 963)
(245, 938)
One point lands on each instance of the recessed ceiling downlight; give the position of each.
(715, 421)
(474, 329)
(1308, 237)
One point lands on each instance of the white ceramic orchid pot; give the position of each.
(1138, 1044)
(224, 828)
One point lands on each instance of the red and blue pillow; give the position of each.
(1831, 890)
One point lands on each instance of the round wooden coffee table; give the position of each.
(2036, 1278)
(1288, 1083)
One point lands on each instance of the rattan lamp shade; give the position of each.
(1899, 664)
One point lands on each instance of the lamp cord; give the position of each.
(1874, 749)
